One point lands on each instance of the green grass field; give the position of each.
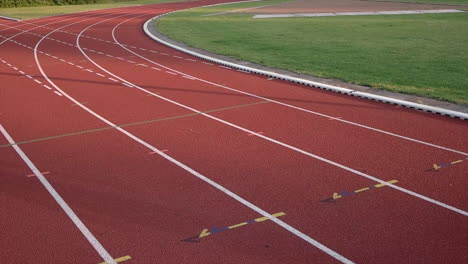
(424, 55)
(43, 11)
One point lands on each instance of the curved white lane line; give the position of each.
(425, 198)
(191, 171)
(25, 31)
(75, 219)
(288, 105)
(24, 23)
(70, 17)
(84, 230)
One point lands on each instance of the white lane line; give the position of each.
(89, 70)
(188, 77)
(71, 63)
(165, 54)
(15, 68)
(154, 68)
(171, 73)
(46, 86)
(29, 76)
(78, 223)
(22, 72)
(131, 61)
(112, 79)
(128, 85)
(119, 58)
(417, 195)
(92, 240)
(57, 93)
(224, 67)
(78, 66)
(207, 63)
(98, 74)
(37, 81)
(177, 57)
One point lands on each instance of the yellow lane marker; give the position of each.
(214, 230)
(343, 194)
(121, 259)
(204, 233)
(443, 165)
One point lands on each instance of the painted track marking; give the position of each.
(343, 194)
(215, 230)
(131, 124)
(445, 165)
(33, 175)
(121, 259)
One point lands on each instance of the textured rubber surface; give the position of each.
(142, 204)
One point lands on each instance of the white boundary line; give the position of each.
(430, 200)
(10, 18)
(370, 13)
(185, 167)
(332, 88)
(75, 219)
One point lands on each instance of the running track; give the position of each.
(134, 147)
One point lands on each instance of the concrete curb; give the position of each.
(384, 99)
(10, 18)
(371, 13)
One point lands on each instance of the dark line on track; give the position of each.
(132, 124)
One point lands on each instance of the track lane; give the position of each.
(250, 191)
(273, 141)
(120, 218)
(279, 222)
(33, 225)
(50, 154)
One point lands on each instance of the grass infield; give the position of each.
(425, 55)
(43, 11)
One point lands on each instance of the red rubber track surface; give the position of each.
(143, 205)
